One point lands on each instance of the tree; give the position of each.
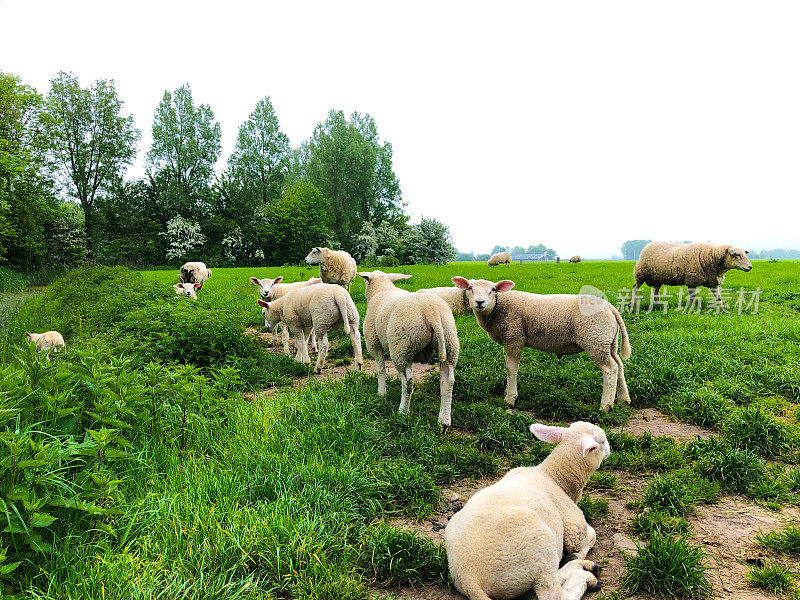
(427, 242)
(186, 145)
(631, 249)
(497, 249)
(261, 158)
(91, 141)
(366, 244)
(541, 249)
(517, 250)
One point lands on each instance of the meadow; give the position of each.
(167, 454)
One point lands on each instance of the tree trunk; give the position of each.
(88, 222)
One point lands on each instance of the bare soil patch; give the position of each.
(656, 423)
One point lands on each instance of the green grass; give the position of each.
(772, 577)
(786, 540)
(289, 496)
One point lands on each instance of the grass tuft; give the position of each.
(667, 567)
(772, 577)
(787, 540)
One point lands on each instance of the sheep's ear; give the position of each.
(255, 281)
(314, 281)
(504, 286)
(588, 443)
(734, 252)
(365, 275)
(178, 286)
(263, 303)
(278, 279)
(197, 285)
(548, 433)
(396, 276)
(747, 251)
(460, 282)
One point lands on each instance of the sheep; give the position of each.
(187, 289)
(411, 327)
(194, 272)
(318, 308)
(272, 289)
(558, 323)
(499, 259)
(692, 265)
(510, 537)
(455, 298)
(575, 259)
(47, 340)
(335, 266)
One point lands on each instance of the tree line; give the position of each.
(65, 198)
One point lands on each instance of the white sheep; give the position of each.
(318, 309)
(47, 340)
(455, 297)
(194, 272)
(558, 323)
(692, 265)
(510, 537)
(187, 289)
(410, 327)
(272, 289)
(335, 266)
(575, 259)
(499, 259)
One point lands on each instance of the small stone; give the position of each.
(454, 497)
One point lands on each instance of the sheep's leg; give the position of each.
(634, 291)
(692, 292)
(513, 355)
(715, 291)
(407, 383)
(577, 584)
(622, 385)
(380, 371)
(355, 338)
(324, 345)
(301, 339)
(446, 379)
(285, 336)
(569, 583)
(602, 358)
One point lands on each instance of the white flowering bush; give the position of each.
(183, 237)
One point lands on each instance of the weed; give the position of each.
(667, 567)
(772, 577)
(786, 540)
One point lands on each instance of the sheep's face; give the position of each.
(271, 316)
(736, 258)
(315, 256)
(482, 294)
(187, 289)
(265, 286)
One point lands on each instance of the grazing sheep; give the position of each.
(187, 289)
(575, 259)
(194, 272)
(455, 298)
(411, 327)
(499, 259)
(510, 537)
(318, 309)
(692, 265)
(272, 289)
(47, 340)
(557, 323)
(335, 266)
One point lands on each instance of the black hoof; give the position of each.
(595, 587)
(444, 428)
(568, 558)
(595, 570)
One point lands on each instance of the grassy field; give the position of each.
(326, 492)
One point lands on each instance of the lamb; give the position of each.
(194, 272)
(411, 327)
(508, 539)
(187, 289)
(335, 266)
(47, 340)
(272, 289)
(455, 298)
(499, 259)
(320, 308)
(692, 265)
(575, 259)
(558, 323)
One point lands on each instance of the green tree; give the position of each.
(631, 249)
(497, 249)
(92, 141)
(261, 158)
(427, 242)
(186, 145)
(517, 250)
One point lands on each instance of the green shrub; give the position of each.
(667, 567)
(396, 557)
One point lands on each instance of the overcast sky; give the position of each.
(575, 124)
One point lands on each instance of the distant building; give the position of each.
(544, 256)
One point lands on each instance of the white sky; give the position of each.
(575, 124)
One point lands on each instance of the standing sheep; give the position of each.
(187, 289)
(455, 298)
(318, 309)
(272, 289)
(558, 323)
(501, 258)
(575, 259)
(510, 537)
(410, 327)
(47, 340)
(194, 272)
(335, 266)
(692, 265)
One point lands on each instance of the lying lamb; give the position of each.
(194, 272)
(692, 265)
(47, 340)
(510, 537)
(272, 289)
(557, 323)
(410, 327)
(187, 289)
(456, 298)
(320, 308)
(335, 266)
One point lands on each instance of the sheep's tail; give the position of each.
(341, 302)
(438, 329)
(625, 349)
